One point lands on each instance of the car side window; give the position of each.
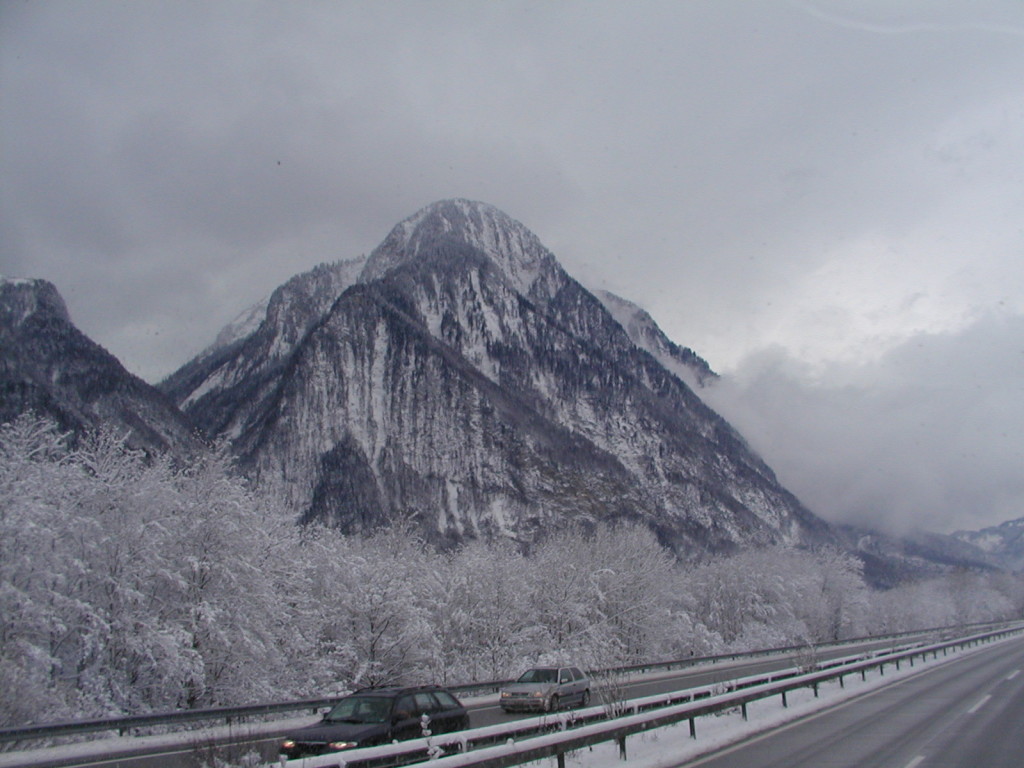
(405, 708)
(577, 673)
(425, 703)
(564, 676)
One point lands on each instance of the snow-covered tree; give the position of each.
(130, 583)
(484, 622)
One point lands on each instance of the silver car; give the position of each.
(546, 689)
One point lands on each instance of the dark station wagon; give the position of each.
(378, 716)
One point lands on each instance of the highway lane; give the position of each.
(964, 713)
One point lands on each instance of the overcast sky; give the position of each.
(823, 198)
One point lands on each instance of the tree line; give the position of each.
(131, 583)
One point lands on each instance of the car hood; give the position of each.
(528, 688)
(328, 731)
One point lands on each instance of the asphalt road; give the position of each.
(968, 713)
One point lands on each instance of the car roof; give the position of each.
(395, 690)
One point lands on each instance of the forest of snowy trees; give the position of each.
(131, 584)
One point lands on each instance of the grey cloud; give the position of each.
(167, 164)
(928, 435)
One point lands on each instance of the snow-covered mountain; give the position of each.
(256, 345)
(462, 378)
(50, 367)
(1004, 542)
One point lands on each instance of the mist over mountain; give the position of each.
(49, 367)
(459, 376)
(1003, 543)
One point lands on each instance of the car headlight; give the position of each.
(505, 694)
(538, 694)
(339, 745)
(287, 744)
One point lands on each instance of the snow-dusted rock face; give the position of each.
(513, 249)
(466, 380)
(49, 367)
(248, 354)
(645, 333)
(1004, 543)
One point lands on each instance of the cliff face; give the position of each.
(461, 377)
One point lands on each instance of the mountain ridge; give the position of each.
(449, 392)
(1004, 543)
(49, 367)
(463, 306)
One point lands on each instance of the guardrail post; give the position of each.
(560, 757)
(743, 710)
(785, 704)
(622, 747)
(693, 728)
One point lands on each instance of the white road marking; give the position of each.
(980, 703)
(915, 762)
(1013, 674)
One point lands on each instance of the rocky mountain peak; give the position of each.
(29, 298)
(464, 380)
(514, 249)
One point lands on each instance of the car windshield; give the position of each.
(360, 709)
(539, 676)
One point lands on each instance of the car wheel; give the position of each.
(553, 703)
(585, 701)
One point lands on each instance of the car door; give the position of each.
(405, 721)
(427, 705)
(450, 713)
(566, 685)
(582, 682)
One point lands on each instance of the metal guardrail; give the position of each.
(230, 715)
(556, 735)
(416, 749)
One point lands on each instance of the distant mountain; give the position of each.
(49, 367)
(460, 377)
(1003, 543)
(890, 559)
